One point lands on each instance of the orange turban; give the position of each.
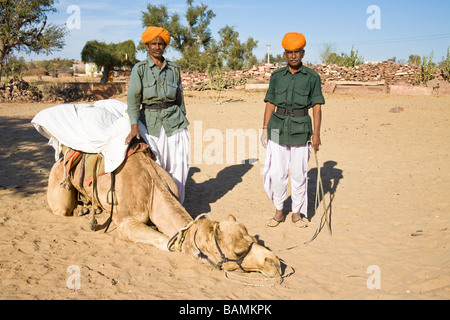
(293, 41)
(152, 33)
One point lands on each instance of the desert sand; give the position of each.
(386, 181)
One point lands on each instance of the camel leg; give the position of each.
(135, 231)
(61, 200)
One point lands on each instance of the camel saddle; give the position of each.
(93, 163)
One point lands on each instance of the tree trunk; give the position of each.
(2, 57)
(3, 54)
(106, 71)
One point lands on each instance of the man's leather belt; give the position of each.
(158, 105)
(292, 112)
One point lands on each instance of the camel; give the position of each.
(148, 211)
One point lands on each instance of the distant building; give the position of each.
(91, 69)
(79, 68)
(65, 71)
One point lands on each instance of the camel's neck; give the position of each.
(167, 213)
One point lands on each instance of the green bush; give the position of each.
(427, 70)
(445, 65)
(343, 60)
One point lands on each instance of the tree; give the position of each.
(199, 51)
(194, 59)
(249, 58)
(53, 65)
(279, 59)
(183, 37)
(415, 59)
(343, 60)
(230, 47)
(326, 52)
(427, 69)
(236, 54)
(353, 59)
(445, 65)
(109, 56)
(13, 65)
(24, 26)
(192, 41)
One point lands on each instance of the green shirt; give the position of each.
(293, 91)
(148, 85)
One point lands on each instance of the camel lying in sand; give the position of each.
(145, 195)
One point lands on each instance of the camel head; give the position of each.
(227, 245)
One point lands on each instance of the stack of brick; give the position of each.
(226, 80)
(19, 90)
(387, 72)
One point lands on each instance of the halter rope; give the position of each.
(324, 216)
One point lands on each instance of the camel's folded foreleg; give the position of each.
(135, 231)
(60, 193)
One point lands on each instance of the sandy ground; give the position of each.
(385, 175)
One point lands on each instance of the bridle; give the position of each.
(222, 256)
(176, 243)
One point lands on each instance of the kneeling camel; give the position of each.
(146, 195)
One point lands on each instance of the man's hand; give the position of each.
(264, 138)
(317, 114)
(315, 142)
(133, 133)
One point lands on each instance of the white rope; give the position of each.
(178, 238)
(245, 279)
(319, 190)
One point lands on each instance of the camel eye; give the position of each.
(240, 253)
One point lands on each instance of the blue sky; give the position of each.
(406, 27)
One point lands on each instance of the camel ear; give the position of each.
(231, 218)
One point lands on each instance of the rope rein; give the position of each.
(324, 218)
(175, 243)
(260, 280)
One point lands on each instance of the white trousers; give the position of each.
(280, 161)
(173, 156)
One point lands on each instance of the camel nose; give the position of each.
(272, 267)
(263, 260)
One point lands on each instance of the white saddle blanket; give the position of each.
(101, 127)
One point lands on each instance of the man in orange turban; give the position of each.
(288, 130)
(293, 41)
(155, 99)
(294, 44)
(156, 40)
(152, 33)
